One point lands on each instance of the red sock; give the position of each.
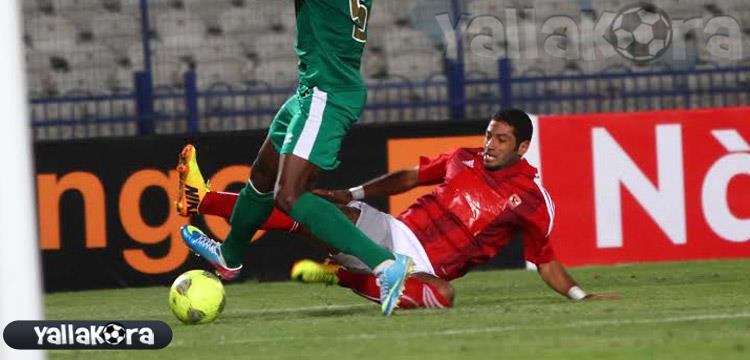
(222, 204)
(218, 203)
(417, 294)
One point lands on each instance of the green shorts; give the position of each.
(312, 124)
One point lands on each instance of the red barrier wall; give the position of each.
(648, 186)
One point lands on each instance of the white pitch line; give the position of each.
(469, 331)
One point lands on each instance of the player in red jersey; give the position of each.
(483, 197)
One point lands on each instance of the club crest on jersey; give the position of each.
(514, 200)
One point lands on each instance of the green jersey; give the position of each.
(331, 37)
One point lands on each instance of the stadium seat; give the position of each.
(51, 32)
(380, 18)
(400, 40)
(374, 64)
(376, 37)
(215, 48)
(497, 8)
(285, 20)
(474, 63)
(35, 84)
(32, 8)
(231, 71)
(36, 61)
(115, 30)
(416, 66)
(122, 80)
(245, 22)
(275, 46)
(74, 81)
(133, 7)
(398, 10)
(135, 55)
(208, 11)
(91, 55)
(169, 72)
(244, 42)
(185, 54)
(279, 72)
(79, 12)
(76, 6)
(180, 28)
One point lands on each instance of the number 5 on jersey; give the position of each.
(359, 16)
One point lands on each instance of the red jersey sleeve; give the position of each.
(537, 223)
(537, 250)
(432, 171)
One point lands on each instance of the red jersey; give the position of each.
(474, 212)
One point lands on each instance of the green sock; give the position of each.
(331, 226)
(251, 210)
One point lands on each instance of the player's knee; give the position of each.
(351, 213)
(285, 199)
(446, 290)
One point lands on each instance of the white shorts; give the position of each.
(389, 232)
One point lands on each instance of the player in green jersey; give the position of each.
(305, 138)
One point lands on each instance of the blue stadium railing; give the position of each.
(460, 95)
(616, 90)
(454, 94)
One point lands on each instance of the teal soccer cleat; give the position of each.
(209, 249)
(391, 281)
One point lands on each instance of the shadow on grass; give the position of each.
(321, 312)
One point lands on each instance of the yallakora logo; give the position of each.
(94, 335)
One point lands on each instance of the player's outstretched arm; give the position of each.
(554, 274)
(389, 184)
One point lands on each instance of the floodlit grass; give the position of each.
(686, 310)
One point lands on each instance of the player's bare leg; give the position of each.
(327, 223)
(295, 177)
(265, 167)
(421, 290)
(295, 173)
(309, 271)
(253, 207)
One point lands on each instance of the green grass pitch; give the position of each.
(681, 310)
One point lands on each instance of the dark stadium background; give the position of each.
(117, 86)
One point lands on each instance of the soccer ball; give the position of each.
(114, 333)
(641, 33)
(196, 297)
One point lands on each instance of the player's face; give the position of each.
(500, 147)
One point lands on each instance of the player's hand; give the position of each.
(602, 297)
(337, 196)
